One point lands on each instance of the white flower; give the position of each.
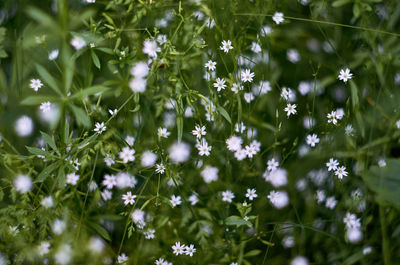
(179, 152)
(78, 43)
(299, 260)
(72, 178)
(210, 65)
(163, 132)
(345, 75)
(175, 200)
(193, 199)
(321, 196)
(122, 258)
(209, 174)
(255, 47)
(293, 55)
(53, 55)
(178, 249)
(160, 168)
(240, 154)
(149, 234)
(129, 198)
(23, 183)
(130, 140)
(58, 226)
(277, 177)
(234, 143)
(398, 124)
(138, 84)
(248, 97)
(100, 127)
(236, 87)
(227, 196)
(312, 140)
(262, 88)
(140, 70)
(290, 109)
(138, 217)
(341, 172)
(226, 46)
(47, 202)
(151, 48)
(332, 164)
(279, 199)
(349, 130)
(330, 202)
(203, 147)
(219, 84)
(199, 131)
(278, 17)
(354, 235)
(112, 112)
(63, 255)
(246, 75)
(109, 181)
(287, 93)
(106, 195)
(127, 155)
(45, 107)
(272, 164)
(250, 150)
(351, 221)
(333, 117)
(190, 250)
(96, 245)
(240, 127)
(36, 84)
(43, 248)
(382, 162)
(125, 180)
(251, 194)
(148, 159)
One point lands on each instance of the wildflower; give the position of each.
(78, 43)
(179, 152)
(277, 177)
(58, 226)
(236, 87)
(47, 202)
(63, 255)
(250, 151)
(293, 56)
(299, 260)
(36, 84)
(209, 174)
(290, 109)
(321, 196)
(349, 130)
(262, 88)
(227, 196)
(332, 117)
(240, 154)
(341, 172)
(398, 124)
(330, 202)
(96, 245)
(354, 235)
(72, 179)
(138, 84)
(175, 200)
(106, 195)
(248, 97)
(138, 217)
(234, 143)
(240, 127)
(148, 159)
(312, 140)
(272, 164)
(44, 248)
(125, 180)
(255, 47)
(203, 148)
(160, 168)
(382, 162)
(108, 160)
(226, 46)
(140, 70)
(151, 48)
(128, 198)
(279, 199)
(53, 55)
(199, 131)
(163, 132)
(278, 17)
(287, 93)
(23, 183)
(332, 164)
(130, 140)
(193, 199)
(246, 75)
(100, 127)
(149, 234)
(351, 221)
(112, 112)
(127, 155)
(251, 194)
(190, 250)
(210, 65)
(178, 249)
(122, 258)
(45, 107)
(219, 84)
(345, 75)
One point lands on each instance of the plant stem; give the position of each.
(385, 239)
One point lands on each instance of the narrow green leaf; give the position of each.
(46, 172)
(236, 220)
(95, 59)
(37, 151)
(100, 230)
(46, 76)
(89, 91)
(252, 253)
(49, 140)
(80, 115)
(179, 126)
(35, 100)
(224, 113)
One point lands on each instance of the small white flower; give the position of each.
(175, 200)
(255, 47)
(219, 84)
(345, 75)
(278, 17)
(151, 48)
(251, 194)
(209, 174)
(23, 183)
(109, 160)
(199, 131)
(226, 46)
(129, 198)
(272, 164)
(227, 196)
(234, 143)
(312, 140)
(248, 97)
(203, 147)
(43, 248)
(122, 258)
(341, 172)
(290, 109)
(100, 127)
(279, 199)
(193, 199)
(78, 43)
(127, 155)
(179, 152)
(160, 168)
(210, 65)
(332, 164)
(163, 132)
(45, 107)
(47, 202)
(190, 250)
(148, 159)
(246, 75)
(53, 55)
(178, 249)
(72, 178)
(36, 84)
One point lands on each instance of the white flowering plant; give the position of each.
(199, 132)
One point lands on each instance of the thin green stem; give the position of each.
(385, 239)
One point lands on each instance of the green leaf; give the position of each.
(95, 59)
(49, 140)
(42, 17)
(89, 91)
(37, 151)
(46, 76)
(179, 126)
(46, 172)
(100, 230)
(224, 113)
(105, 50)
(236, 220)
(340, 3)
(35, 100)
(385, 182)
(252, 253)
(80, 115)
